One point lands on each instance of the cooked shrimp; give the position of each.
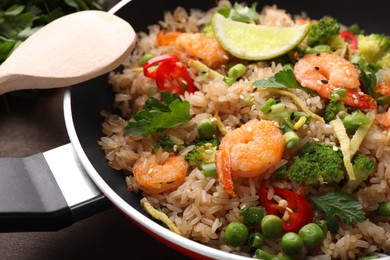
(383, 85)
(325, 72)
(155, 175)
(206, 49)
(248, 151)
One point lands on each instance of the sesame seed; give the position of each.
(318, 54)
(319, 82)
(361, 93)
(354, 96)
(335, 148)
(249, 129)
(303, 84)
(356, 102)
(317, 68)
(286, 216)
(325, 81)
(348, 72)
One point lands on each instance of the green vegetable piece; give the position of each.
(332, 109)
(339, 205)
(203, 153)
(206, 129)
(317, 163)
(256, 240)
(264, 255)
(384, 209)
(311, 235)
(236, 234)
(279, 107)
(292, 139)
(266, 106)
(375, 48)
(167, 144)
(355, 29)
(209, 170)
(145, 58)
(158, 116)
(338, 94)
(282, 79)
(288, 66)
(368, 257)
(353, 121)
(363, 166)
(291, 244)
(323, 225)
(244, 14)
(323, 31)
(271, 226)
(229, 81)
(252, 215)
(280, 173)
(323, 48)
(237, 71)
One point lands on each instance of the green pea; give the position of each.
(252, 215)
(384, 209)
(206, 129)
(236, 234)
(145, 58)
(312, 235)
(271, 226)
(256, 240)
(291, 244)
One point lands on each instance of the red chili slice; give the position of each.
(300, 215)
(170, 74)
(350, 38)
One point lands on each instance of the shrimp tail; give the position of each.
(222, 161)
(359, 99)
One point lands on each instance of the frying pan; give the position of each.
(54, 189)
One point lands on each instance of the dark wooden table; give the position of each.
(37, 125)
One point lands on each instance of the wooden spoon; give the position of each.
(67, 51)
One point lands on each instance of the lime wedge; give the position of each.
(256, 42)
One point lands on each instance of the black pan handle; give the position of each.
(46, 191)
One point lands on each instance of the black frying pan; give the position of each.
(82, 105)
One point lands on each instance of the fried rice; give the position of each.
(200, 207)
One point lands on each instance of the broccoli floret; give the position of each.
(323, 31)
(317, 163)
(203, 153)
(363, 166)
(332, 109)
(375, 48)
(167, 144)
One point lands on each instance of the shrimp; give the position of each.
(383, 84)
(325, 72)
(206, 49)
(248, 151)
(155, 175)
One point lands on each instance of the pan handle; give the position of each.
(46, 191)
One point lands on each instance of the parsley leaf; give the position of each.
(244, 14)
(158, 116)
(282, 79)
(344, 206)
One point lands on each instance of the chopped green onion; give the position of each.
(288, 66)
(236, 71)
(266, 106)
(338, 94)
(278, 107)
(318, 49)
(145, 58)
(353, 121)
(248, 99)
(292, 139)
(209, 170)
(229, 81)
